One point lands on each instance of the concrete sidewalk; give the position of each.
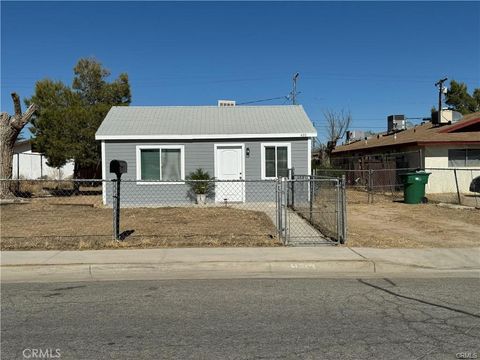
(229, 262)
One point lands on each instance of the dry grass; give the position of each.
(389, 224)
(472, 199)
(78, 223)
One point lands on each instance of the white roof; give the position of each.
(204, 122)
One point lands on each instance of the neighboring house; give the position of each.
(29, 164)
(166, 143)
(453, 145)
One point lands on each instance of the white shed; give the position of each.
(28, 164)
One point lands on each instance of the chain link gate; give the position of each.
(311, 210)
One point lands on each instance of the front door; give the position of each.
(229, 166)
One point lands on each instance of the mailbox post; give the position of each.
(118, 167)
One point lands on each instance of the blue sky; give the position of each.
(374, 58)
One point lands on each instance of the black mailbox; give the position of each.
(118, 167)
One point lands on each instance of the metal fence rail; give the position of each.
(173, 213)
(449, 185)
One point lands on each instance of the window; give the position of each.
(464, 158)
(165, 163)
(275, 160)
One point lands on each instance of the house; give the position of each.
(440, 148)
(163, 144)
(30, 164)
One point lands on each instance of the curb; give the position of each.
(169, 270)
(212, 270)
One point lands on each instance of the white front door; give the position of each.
(229, 166)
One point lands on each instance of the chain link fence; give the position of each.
(447, 185)
(95, 214)
(455, 186)
(321, 201)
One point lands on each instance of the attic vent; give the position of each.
(226, 102)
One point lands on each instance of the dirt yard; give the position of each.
(80, 223)
(387, 224)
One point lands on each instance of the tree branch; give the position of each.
(19, 122)
(337, 123)
(17, 105)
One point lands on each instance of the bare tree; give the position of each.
(10, 128)
(337, 125)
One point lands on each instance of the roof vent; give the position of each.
(226, 103)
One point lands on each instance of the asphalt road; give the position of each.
(237, 319)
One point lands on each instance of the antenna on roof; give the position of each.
(294, 93)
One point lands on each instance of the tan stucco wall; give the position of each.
(443, 181)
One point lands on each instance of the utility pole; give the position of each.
(439, 83)
(294, 91)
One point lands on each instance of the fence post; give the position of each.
(344, 210)
(456, 184)
(370, 186)
(116, 208)
(285, 225)
(292, 179)
(312, 195)
(279, 210)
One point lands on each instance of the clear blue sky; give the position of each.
(374, 58)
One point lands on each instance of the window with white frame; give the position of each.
(165, 163)
(463, 157)
(275, 160)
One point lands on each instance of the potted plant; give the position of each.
(201, 185)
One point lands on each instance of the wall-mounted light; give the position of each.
(247, 152)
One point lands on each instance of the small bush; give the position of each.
(200, 182)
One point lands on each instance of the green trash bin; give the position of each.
(414, 187)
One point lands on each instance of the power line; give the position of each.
(293, 95)
(262, 100)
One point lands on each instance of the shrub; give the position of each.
(200, 182)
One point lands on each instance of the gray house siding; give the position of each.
(198, 154)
